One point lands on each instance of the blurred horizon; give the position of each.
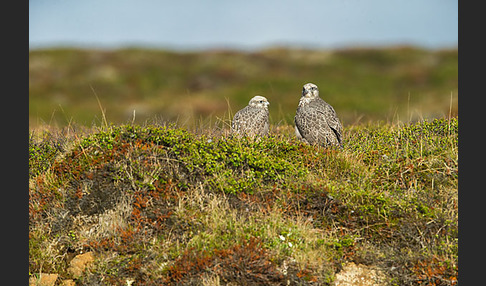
(72, 85)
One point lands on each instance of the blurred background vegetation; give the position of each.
(363, 84)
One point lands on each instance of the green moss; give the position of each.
(153, 194)
(43, 152)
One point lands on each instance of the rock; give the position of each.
(79, 263)
(68, 282)
(360, 275)
(44, 279)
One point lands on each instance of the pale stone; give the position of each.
(44, 279)
(79, 263)
(360, 275)
(68, 282)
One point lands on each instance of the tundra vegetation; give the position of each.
(166, 202)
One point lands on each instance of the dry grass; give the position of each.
(159, 204)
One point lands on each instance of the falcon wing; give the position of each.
(333, 121)
(325, 119)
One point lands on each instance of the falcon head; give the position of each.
(259, 101)
(310, 91)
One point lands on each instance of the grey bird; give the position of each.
(252, 120)
(316, 122)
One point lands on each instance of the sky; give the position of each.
(245, 24)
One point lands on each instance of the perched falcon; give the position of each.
(316, 122)
(253, 119)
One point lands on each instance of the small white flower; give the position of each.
(290, 244)
(282, 237)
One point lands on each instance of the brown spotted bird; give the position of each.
(316, 122)
(252, 121)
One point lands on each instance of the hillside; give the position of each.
(161, 204)
(193, 88)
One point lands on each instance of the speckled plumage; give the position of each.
(252, 120)
(316, 122)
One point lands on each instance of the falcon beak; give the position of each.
(304, 91)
